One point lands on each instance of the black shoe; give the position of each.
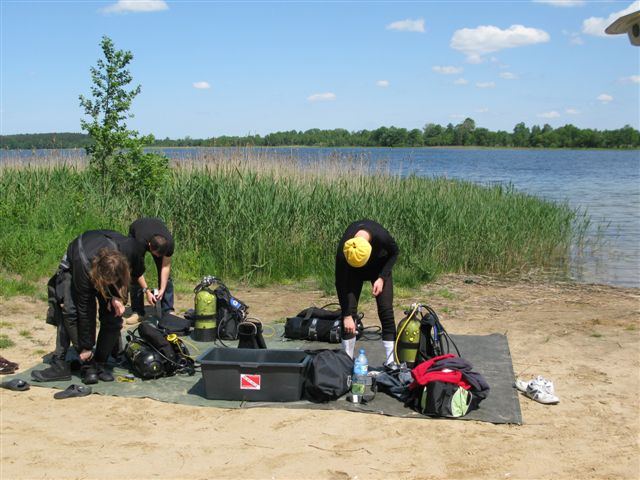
(104, 374)
(89, 374)
(17, 385)
(72, 391)
(57, 372)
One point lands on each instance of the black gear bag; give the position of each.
(328, 375)
(319, 324)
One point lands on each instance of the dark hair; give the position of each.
(110, 274)
(159, 245)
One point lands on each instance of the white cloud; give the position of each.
(457, 115)
(322, 97)
(485, 84)
(382, 83)
(461, 81)
(447, 70)
(508, 76)
(136, 6)
(201, 85)
(596, 25)
(551, 114)
(631, 79)
(562, 3)
(482, 110)
(604, 98)
(475, 42)
(572, 111)
(407, 25)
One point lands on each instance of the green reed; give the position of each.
(263, 220)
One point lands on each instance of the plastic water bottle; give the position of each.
(359, 377)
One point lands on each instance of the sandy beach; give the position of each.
(585, 338)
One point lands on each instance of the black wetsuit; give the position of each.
(84, 294)
(143, 230)
(349, 280)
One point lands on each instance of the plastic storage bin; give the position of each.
(254, 375)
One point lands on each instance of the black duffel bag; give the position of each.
(319, 324)
(328, 375)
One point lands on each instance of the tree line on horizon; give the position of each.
(432, 135)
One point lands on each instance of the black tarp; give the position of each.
(489, 355)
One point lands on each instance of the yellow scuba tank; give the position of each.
(408, 336)
(205, 325)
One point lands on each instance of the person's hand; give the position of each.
(86, 355)
(151, 297)
(378, 285)
(118, 306)
(159, 295)
(348, 325)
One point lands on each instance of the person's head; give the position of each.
(158, 246)
(357, 250)
(110, 274)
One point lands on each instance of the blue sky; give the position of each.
(211, 68)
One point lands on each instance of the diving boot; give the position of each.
(58, 371)
(104, 373)
(89, 374)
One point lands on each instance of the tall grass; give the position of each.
(265, 219)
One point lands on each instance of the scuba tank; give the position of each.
(152, 354)
(145, 362)
(408, 337)
(421, 336)
(205, 325)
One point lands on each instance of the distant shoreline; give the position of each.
(463, 135)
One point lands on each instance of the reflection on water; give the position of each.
(604, 184)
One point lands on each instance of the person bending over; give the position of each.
(366, 252)
(93, 277)
(155, 237)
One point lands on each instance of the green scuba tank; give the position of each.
(205, 325)
(408, 337)
(145, 362)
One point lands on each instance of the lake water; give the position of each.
(604, 183)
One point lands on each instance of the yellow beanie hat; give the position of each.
(357, 251)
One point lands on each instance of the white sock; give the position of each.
(388, 350)
(349, 346)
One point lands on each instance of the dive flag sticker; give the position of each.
(249, 382)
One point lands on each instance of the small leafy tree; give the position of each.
(117, 154)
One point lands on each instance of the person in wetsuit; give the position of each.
(93, 278)
(155, 238)
(366, 253)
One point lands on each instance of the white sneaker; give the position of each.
(133, 319)
(540, 381)
(539, 389)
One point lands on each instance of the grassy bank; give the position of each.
(264, 220)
